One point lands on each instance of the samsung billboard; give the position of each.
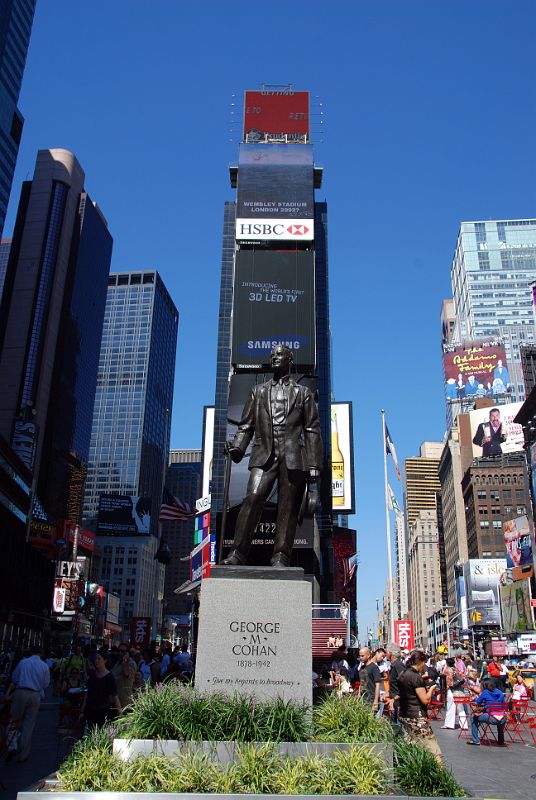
(273, 303)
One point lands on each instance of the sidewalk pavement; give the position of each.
(48, 750)
(497, 773)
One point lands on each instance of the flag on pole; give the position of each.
(393, 502)
(390, 449)
(349, 566)
(174, 509)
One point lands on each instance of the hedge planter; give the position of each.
(226, 752)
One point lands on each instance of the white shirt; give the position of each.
(31, 673)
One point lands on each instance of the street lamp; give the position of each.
(448, 621)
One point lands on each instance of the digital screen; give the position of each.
(273, 303)
(275, 114)
(124, 515)
(475, 369)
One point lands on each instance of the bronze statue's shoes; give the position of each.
(234, 559)
(280, 560)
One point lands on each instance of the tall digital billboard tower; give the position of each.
(274, 290)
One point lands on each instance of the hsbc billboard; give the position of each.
(275, 192)
(275, 229)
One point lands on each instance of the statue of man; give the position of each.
(282, 417)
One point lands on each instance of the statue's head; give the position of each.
(281, 357)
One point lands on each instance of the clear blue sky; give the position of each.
(429, 112)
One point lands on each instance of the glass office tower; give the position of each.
(493, 266)
(16, 18)
(5, 247)
(131, 425)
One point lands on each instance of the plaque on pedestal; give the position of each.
(255, 637)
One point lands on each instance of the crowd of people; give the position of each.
(404, 686)
(93, 686)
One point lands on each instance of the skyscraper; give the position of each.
(183, 480)
(493, 266)
(50, 326)
(16, 18)
(280, 253)
(5, 247)
(130, 429)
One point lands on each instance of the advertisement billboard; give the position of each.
(275, 192)
(475, 369)
(208, 450)
(405, 633)
(344, 563)
(273, 303)
(128, 515)
(494, 431)
(201, 559)
(481, 579)
(519, 541)
(275, 114)
(516, 607)
(342, 459)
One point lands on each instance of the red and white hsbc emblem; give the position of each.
(405, 634)
(275, 229)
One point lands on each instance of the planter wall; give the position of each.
(225, 752)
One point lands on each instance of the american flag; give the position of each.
(349, 566)
(172, 508)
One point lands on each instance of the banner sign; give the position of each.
(275, 114)
(124, 515)
(58, 602)
(208, 449)
(519, 541)
(273, 303)
(405, 633)
(476, 369)
(516, 607)
(271, 229)
(344, 563)
(140, 632)
(202, 558)
(494, 431)
(86, 538)
(342, 459)
(481, 577)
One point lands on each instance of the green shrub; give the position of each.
(257, 770)
(348, 719)
(173, 711)
(417, 772)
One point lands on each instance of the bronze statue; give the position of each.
(282, 417)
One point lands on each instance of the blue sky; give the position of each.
(429, 112)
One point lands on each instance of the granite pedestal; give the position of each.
(255, 633)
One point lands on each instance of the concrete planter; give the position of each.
(225, 752)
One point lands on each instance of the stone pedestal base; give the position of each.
(255, 636)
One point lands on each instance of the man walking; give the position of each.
(370, 677)
(393, 655)
(31, 677)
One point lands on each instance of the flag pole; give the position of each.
(388, 534)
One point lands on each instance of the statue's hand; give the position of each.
(234, 452)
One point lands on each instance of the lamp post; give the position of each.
(448, 621)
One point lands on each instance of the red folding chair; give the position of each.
(496, 711)
(435, 709)
(463, 704)
(518, 719)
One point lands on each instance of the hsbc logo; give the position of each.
(275, 229)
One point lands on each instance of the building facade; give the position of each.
(424, 573)
(316, 558)
(16, 18)
(422, 480)
(51, 322)
(183, 480)
(130, 431)
(494, 490)
(5, 247)
(454, 529)
(401, 576)
(493, 266)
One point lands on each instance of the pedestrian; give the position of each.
(490, 694)
(124, 672)
(30, 678)
(450, 714)
(370, 677)
(101, 701)
(393, 655)
(415, 696)
(149, 668)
